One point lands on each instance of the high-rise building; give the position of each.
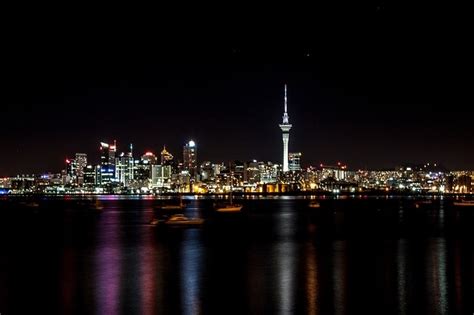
(107, 162)
(190, 158)
(149, 158)
(124, 167)
(81, 163)
(252, 173)
(206, 171)
(337, 172)
(268, 172)
(69, 176)
(166, 157)
(285, 128)
(143, 169)
(160, 175)
(90, 175)
(294, 161)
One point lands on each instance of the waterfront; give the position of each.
(380, 255)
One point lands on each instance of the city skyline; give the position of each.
(375, 100)
(215, 159)
(175, 148)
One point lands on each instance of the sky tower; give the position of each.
(285, 128)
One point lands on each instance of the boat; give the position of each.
(229, 207)
(464, 203)
(420, 203)
(181, 220)
(30, 204)
(155, 221)
(314, 204)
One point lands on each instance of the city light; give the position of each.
(122, 173)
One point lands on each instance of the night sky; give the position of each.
(373, 85)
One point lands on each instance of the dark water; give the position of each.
(351, 256)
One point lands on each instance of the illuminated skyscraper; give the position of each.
(285, 128)
(90, 176)
(294, 161)
(124, 167)
(70, 172)
(143, 168)
(107, 162)
(166, 157)
(81, 163)
(190, 158)
(149, 158)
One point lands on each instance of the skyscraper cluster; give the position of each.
(126, 172)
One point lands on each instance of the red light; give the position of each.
(148, 153)
(67, 161)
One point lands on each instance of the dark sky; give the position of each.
(374, 85)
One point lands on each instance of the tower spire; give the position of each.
(285, 128)
(286, 118)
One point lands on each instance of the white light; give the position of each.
(192, 143)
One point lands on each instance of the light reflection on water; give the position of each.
(312, 280)
(148, 268)
(339, 277)
(437, 283)
(108, 261)
(190, 271)
(266, 260)
(402, 276)
(285, 259)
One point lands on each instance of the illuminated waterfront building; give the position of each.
(149, 158)
(251, 172)
(124, 167)
(337, 172)
(161, 175)
(268, 172)
(107, 163)
(190, 158)
(70, 172)
(166, 157)
(75, 170)
(207, 171)
(80, 165)
(294, 160)
(90, 175)
(143, 168)
(285, 128)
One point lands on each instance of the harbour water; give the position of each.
(353, 255)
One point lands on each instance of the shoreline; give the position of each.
(255, 194)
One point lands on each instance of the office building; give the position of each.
(190, 158)
(294, 161)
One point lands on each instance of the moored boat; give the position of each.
(314, 204)
(464, 203)
(181, 220)
(420, 203)
(230, 206)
